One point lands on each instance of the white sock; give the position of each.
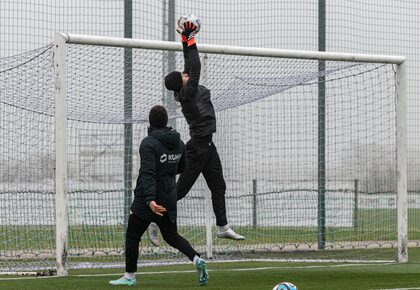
(195, 259)
(223, 228)
(128, 275)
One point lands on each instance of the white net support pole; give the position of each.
(402, 218)
(61, 154)
(232, 50)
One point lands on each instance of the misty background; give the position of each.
(377, 27)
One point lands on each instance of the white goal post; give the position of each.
(61, 142)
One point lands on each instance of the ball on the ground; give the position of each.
(285, 286)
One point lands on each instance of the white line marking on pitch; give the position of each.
(399, 289)
(193, 271)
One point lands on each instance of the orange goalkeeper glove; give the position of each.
(188, 27)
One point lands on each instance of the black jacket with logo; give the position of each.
(195, 100)
(162, 157)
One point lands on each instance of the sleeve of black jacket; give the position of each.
(148, 170)
(186, 53)
(192, 67)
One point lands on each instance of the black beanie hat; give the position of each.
(173, 81)
(158, 117)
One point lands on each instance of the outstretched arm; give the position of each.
(187, 64)
(192, 64)
(192, 68)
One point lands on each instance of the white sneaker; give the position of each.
(152, 232)
(230, 234)
(123, 282)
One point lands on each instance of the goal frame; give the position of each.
(60, 51)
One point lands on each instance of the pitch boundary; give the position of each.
(210, 270)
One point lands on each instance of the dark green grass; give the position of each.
(239, 276)
(374, 225)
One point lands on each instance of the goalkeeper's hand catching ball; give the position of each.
(188, 27)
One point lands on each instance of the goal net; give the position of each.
(308, 146)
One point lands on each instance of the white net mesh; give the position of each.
(267, 138)
(27, 211)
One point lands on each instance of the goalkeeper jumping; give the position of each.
(197, 108)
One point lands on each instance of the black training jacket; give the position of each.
(194, 98)
(162, 157)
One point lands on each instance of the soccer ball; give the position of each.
(190, 18)
(285, 286)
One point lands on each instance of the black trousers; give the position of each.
(135, 230)
(202, 157)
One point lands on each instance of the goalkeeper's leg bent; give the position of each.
(213, 174)
(194, 165)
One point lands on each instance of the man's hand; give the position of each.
(188, 27)
(187, 31)
(157, 209)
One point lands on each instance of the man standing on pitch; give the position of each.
(197, 108)
(162, 157)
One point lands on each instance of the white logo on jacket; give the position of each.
(163, 158)
(171, 158)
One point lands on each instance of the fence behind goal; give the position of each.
(297, 188)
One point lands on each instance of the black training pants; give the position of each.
(202, 157)
(136, 228)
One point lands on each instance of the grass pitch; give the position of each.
(237, 276)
